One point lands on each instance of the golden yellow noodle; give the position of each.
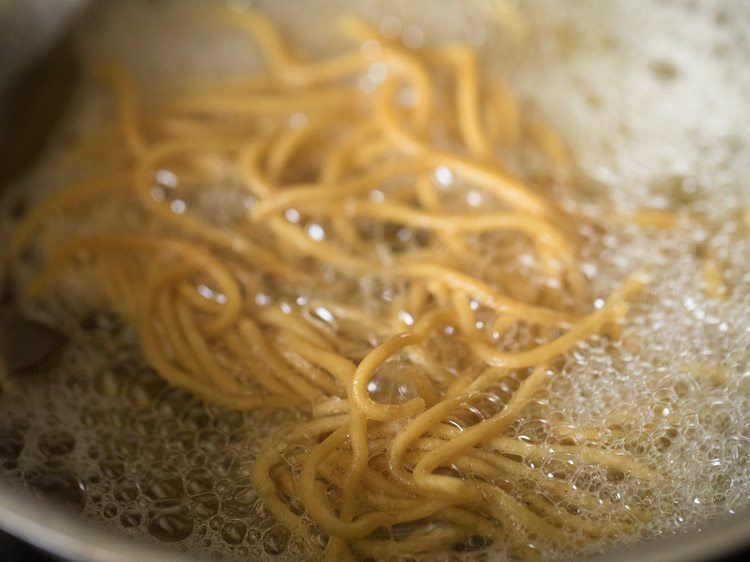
(345, 274)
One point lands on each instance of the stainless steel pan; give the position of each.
(29, 32)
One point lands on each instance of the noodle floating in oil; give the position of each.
(339, 276)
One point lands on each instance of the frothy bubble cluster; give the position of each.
(102, 433)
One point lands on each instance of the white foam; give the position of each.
(651, 98)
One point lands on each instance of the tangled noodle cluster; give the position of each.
(297, 239)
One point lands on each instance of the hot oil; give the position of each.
(632, 89)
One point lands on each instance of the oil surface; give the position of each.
(651, 99)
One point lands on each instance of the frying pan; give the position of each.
(36, 60)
